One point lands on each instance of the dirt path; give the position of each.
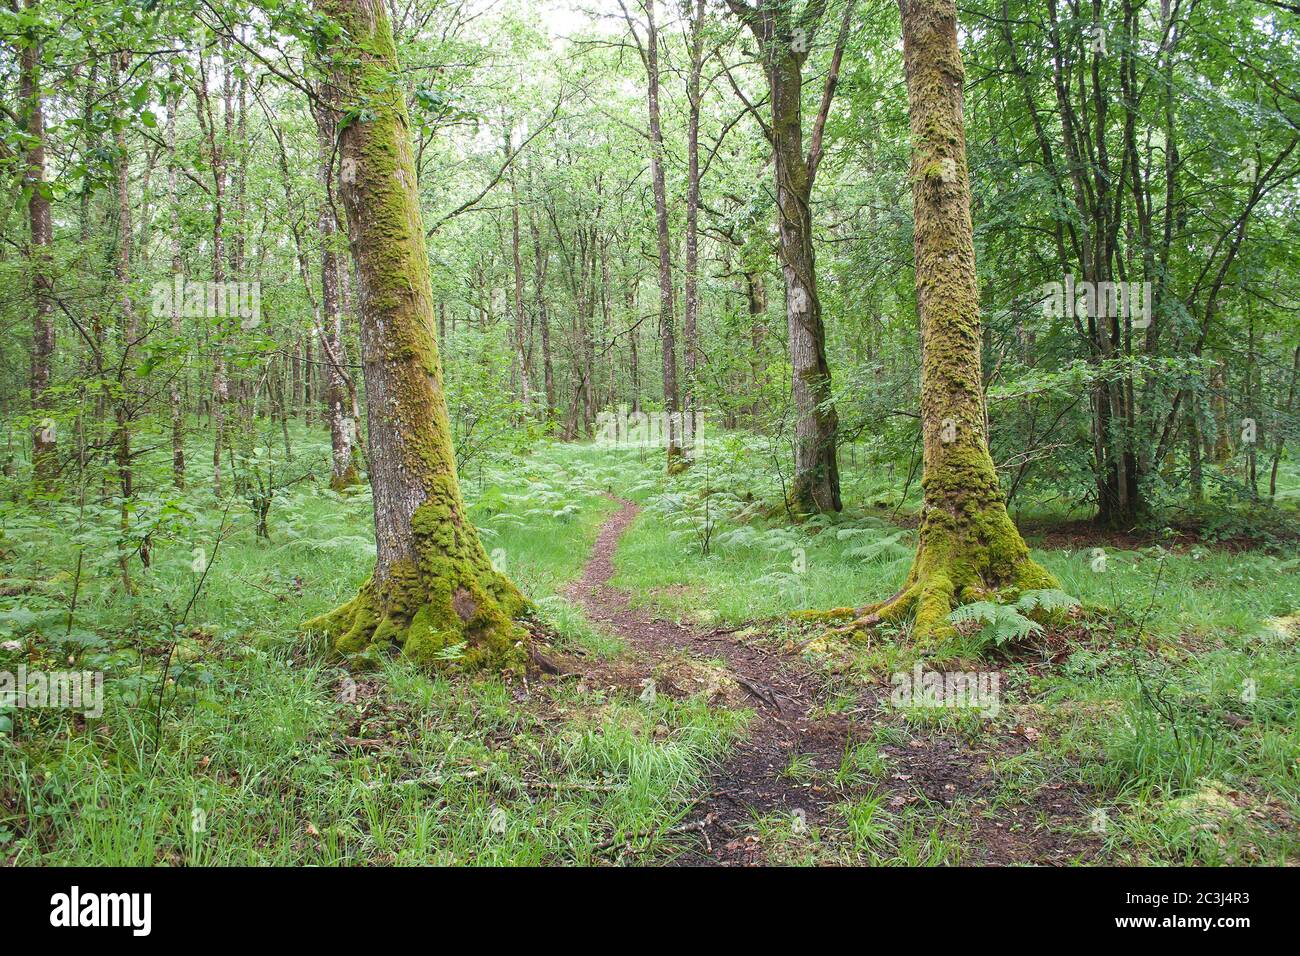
(750, 782)
(792, 727)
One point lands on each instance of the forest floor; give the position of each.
(699, 721)
(796, 762)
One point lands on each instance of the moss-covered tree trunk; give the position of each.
(968, 548)
(433, 586)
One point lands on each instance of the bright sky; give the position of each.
(562, 17)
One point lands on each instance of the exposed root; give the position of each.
(471, 623)
(450, 606)
(932, 592)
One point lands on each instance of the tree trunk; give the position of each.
(216, 159)
(667, 335)
(756, 295)
(338, 405)
(1280, 441)
(1195, 469)
(816, 483)
(178, 266)
(691, 314)
(45, 460)
(433, 590)
(1252, 416)
(295, 378)
(634, 348)
(785, 38)
(540, 260)
(124, 398)
(968, 548)
(519, 360)
(243, 437)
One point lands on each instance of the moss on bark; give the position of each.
(969, 549)
(433, 587)
(349, 477)
(448, 595)
(678, 462)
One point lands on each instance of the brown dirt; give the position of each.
(790, 720)
(1082, 535)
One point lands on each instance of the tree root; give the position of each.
(464, 615)
(929, 596)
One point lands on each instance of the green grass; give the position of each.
(1173, 707)
(254, 766)
(1135, 715)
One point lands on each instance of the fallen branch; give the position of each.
(697, 826)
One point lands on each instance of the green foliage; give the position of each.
(1007, 623)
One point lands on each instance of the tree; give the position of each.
(178, 268)
(785, 40)
(217, 163)
(343, 432)
(128, 328)
(44, 447)
(691, 316)
(968, 545)
(433, 589)
(649, 52)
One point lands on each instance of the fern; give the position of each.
(1002, 622)
(975, 611)
(1048, 600)
(886, 550)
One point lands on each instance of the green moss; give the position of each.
(434, 596)
(425, 612)
(968, 547)
(347, 479)
(833, 614)
(677, 460)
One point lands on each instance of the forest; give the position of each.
(649, 432)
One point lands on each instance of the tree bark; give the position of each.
(433, 590)
(816, 483)
(217, 161)
(540, 260)
(45, 461)
(667, 307)
(785, 40)
(178, 268)
(520, 358)
(969, 548)
(756, 296)
(241, 433)
(123, 400)
(1280, 441)
(691, 313)
(338, 404)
